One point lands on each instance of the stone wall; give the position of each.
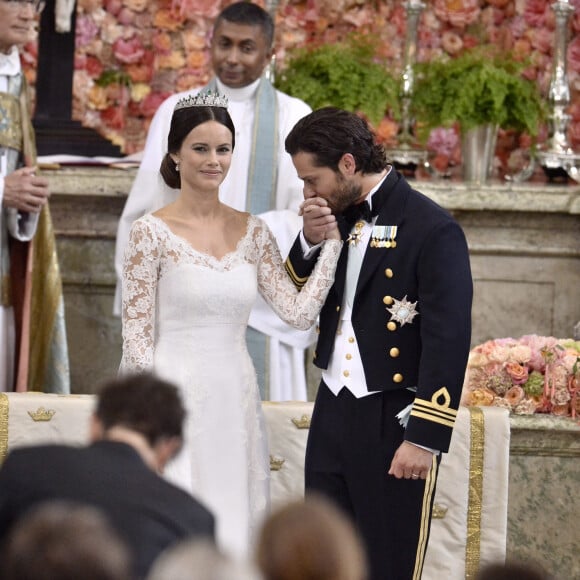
(524, 243)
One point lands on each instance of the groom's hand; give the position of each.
(318, 221)
(411, 462)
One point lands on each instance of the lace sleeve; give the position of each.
(299, 308)
(140, 275)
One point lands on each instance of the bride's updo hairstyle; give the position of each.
(187, 115)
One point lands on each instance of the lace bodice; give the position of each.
(201, 290)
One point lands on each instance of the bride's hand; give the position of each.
(318, 221)
(332, 232)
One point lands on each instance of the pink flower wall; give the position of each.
(131, 54)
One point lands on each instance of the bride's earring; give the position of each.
(177, 166)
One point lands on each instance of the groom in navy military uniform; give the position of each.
(394, 337)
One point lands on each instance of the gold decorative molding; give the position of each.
(42, 414)
(303, 422)
(475, 495)
(539, 451)
(4, 405)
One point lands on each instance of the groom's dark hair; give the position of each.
(329, 133)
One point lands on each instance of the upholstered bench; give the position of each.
(470, 518)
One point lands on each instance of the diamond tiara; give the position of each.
(206, 99)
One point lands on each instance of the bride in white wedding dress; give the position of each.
(191, 274)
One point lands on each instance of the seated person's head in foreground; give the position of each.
(64, 541)
(199, 560)
(144, 411)
(310, 539)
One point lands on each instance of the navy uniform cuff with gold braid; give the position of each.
(299, 281)
(431, 421)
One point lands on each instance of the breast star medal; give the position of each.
(356, 235)
(403, 311)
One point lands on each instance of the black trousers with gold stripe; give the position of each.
(350, 447)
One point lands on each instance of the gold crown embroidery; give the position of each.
(276, 463)
(42, 414)
(303, 422)
(439, 512)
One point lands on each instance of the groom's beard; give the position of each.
(345, 194)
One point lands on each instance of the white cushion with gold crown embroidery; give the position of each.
(287, 426)
(37, 418)
(469, 525)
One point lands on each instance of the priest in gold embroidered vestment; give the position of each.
(33, 352)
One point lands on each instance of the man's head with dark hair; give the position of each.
(142, 404)
(336, 156)
(242, 44)
(330, 133)
(248, 14)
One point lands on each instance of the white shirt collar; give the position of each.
(10, 62)
(243, 94)
(369, 197)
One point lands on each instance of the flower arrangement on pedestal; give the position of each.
(532, 374)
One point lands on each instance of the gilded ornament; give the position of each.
(303, 422)
(42, 414)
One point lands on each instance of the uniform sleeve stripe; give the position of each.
(298, 281)
(432, 418)
(442, 414)
(431, 405)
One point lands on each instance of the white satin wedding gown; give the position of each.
(184, 316)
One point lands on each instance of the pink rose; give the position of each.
(459, 13)
(517, 372)
(113, 6)
(443, 141)
(136, 5)
(151, 103)
(541, 40)
(536, 13)
(126, 16)
(480, 397)
(85, 31)
(574, 54)
(452, 43)
(207, 8)
(515, 395)
(129, 51)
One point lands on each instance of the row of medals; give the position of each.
(382, 236)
